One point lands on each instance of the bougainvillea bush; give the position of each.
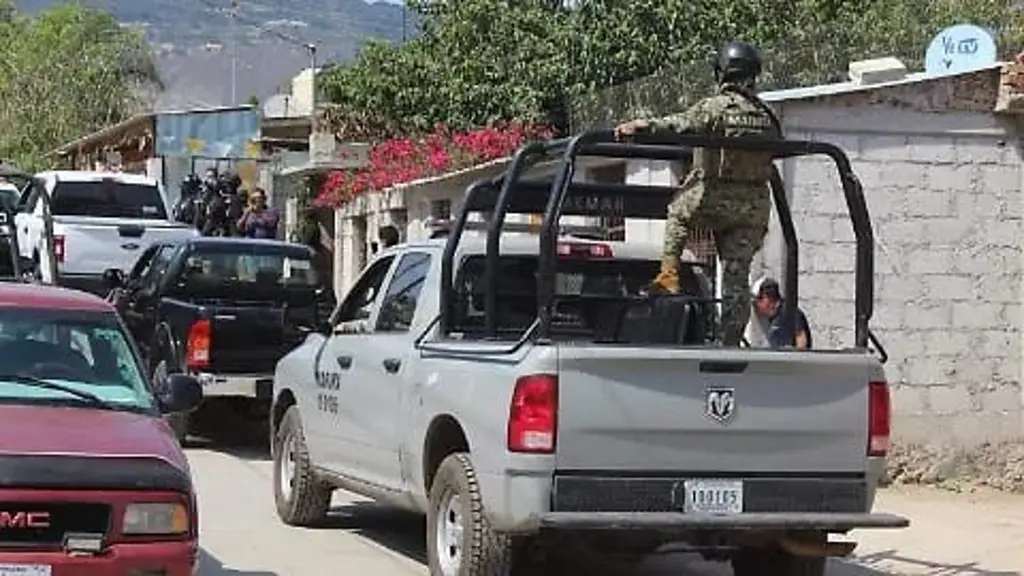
(402, 160)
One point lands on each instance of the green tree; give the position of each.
(480, 60)
(67, 71)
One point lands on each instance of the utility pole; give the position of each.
(233, 31)
(311, 48)
(405, 20)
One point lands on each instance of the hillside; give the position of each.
(193, 40)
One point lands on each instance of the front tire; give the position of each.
(301, 498)
(763, 561)
(460, 540)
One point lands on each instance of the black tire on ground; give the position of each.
(309, 498)
(485, 552)
(178, 422)
(763, 561)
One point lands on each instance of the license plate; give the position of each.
(713, 496)
(25, 570)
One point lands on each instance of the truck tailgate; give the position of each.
(711, 411)
(92, 244)
(251, 338)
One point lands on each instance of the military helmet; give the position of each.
(737, 61)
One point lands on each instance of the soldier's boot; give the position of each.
(667, 281)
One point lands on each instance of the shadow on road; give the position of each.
(221, 428)
(396, 530)
(888, 562)
(209, 565)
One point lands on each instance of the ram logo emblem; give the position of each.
(720, 404)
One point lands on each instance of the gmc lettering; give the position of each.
(24, 520)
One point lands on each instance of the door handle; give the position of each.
(345, 362)
(391, 365)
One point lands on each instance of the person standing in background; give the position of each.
(259, 220)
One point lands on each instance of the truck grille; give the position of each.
(46, 523)
(597, 494)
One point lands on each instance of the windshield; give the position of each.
(247, 267)
(86, 351)
(108, 199)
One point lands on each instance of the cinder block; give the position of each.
(977, 315)
(948, 399)
(931, 149)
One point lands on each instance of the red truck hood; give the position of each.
(49, 430)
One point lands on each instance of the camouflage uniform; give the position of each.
(726, 191)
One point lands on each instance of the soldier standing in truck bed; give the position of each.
(726, 190)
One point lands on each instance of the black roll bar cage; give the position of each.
(509, 193)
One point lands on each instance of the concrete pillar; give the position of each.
(349, 251)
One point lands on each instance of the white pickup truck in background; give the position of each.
(101, 220)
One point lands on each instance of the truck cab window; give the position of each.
(399, 304)
(159, 265)
(359, 302)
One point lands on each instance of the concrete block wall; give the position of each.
(944, 193)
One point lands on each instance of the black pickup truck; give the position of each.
(223, 310)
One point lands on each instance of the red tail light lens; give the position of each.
(197, 350)
(583, 250)
(879, 418)
(533, 415)
(58, 249)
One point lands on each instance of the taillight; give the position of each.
(583, 250)
(197, 350)
(533, 415)
(879, 418)
(58, 249)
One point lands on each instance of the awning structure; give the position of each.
(138, 126)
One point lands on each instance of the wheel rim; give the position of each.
(286, 467)
(448, 535)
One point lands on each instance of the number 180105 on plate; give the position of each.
(710, 496)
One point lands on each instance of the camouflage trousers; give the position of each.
(738, 217)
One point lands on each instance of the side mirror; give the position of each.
(181, 393)
(113, 278)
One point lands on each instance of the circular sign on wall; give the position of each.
(960, 48)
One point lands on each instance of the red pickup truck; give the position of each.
(92, 480)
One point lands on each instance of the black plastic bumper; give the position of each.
(670, 521)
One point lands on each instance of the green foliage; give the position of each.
(65, 72)
(253, 100)
(481, 60)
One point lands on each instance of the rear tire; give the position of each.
(178, 422)
(460, 540)
(776, 562)
(300, 497)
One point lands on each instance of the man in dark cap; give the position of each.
(388, 236)
(726, 190)
(768, 313)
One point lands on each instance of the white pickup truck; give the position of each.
(101, 220)
(526, 394)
